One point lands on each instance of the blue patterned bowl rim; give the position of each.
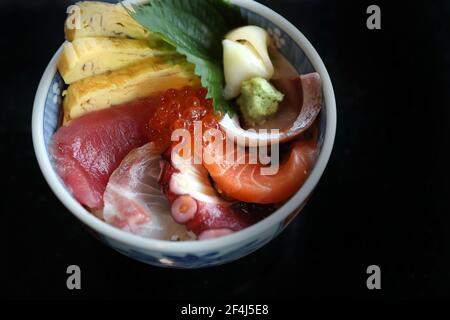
(252, 9)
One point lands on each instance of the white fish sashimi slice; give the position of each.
(134, 201)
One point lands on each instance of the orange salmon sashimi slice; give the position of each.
(245, 182)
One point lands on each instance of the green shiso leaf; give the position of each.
(196, 28)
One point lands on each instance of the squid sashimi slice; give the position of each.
(246, 182)
(90, 148)
(134, 201)
(297, 113)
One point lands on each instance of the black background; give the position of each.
(384, 198)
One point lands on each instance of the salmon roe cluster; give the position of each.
(179, 109)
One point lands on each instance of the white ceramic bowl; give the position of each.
(194, 254)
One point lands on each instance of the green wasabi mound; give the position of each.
(259, 101)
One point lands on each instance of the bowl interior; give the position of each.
(286, 38)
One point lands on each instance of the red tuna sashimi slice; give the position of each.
(90, 148)
(134, 201)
